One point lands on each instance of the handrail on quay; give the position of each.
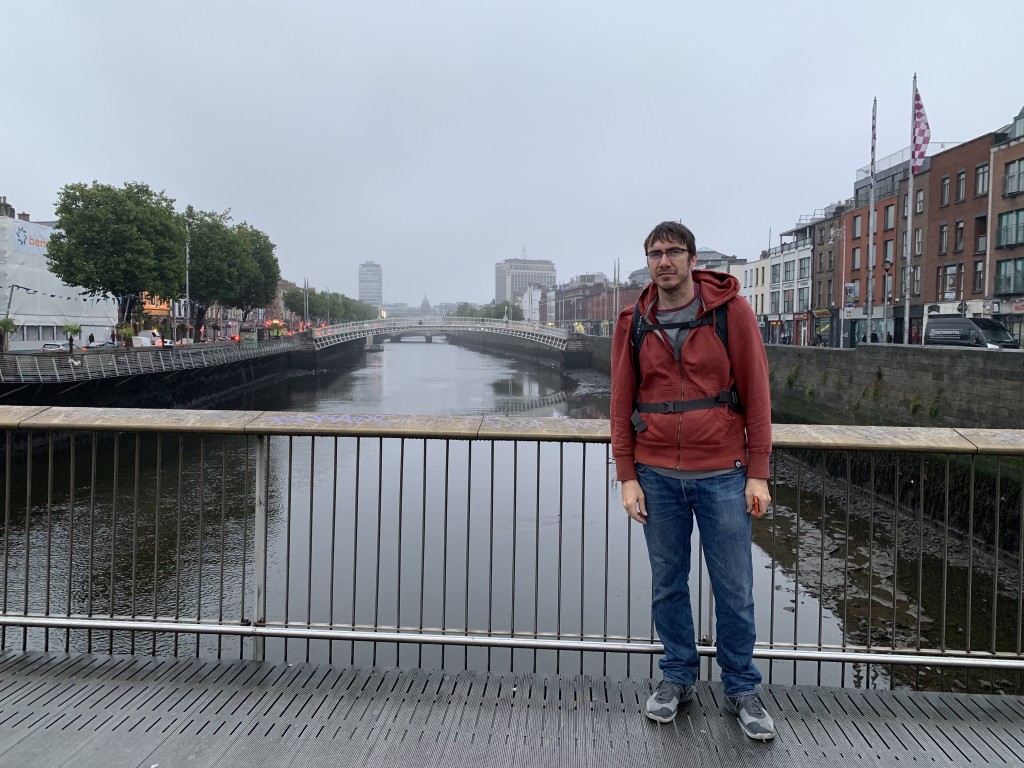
(106, 363)
(892, 557)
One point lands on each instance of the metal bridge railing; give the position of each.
(892, 557)
(62, 367)
(437, 326)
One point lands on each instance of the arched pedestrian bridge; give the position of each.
(439, 326)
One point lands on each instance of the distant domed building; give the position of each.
(425, 306)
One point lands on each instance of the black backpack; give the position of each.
(638, 332)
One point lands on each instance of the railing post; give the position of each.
(259, 559)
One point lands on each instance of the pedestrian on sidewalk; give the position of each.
(691, 438)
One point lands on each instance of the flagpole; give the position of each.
(871, 228)
(911, 206)
(920, 135)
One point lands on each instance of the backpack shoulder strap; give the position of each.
(722, 325)
(637, 333)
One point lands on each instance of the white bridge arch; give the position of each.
(438, 326)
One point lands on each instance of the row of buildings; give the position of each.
(952, 249)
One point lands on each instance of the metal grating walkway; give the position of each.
(83, 710)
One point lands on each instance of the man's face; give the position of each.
(669, 269)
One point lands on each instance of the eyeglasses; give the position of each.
(672, 253)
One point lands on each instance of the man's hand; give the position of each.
(633, 501)
(756, 487)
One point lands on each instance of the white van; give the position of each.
(152, 339)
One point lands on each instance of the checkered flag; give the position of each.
(922, 134)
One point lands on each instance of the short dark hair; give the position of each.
(672, 232)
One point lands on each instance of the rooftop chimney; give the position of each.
(23, 217)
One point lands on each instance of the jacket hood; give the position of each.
(716, 288)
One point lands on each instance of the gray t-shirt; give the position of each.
(677, 337)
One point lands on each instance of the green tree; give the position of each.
(465, 309)
(7, 327)
(123, 242)
(71, 330)
(258, 271)
(216, 256)
(504, 309)
(295, 301)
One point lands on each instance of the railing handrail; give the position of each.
(263, 500)
(87, 364)
(485, 427)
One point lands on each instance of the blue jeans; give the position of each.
(719, 506)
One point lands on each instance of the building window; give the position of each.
(958, 236)
(776, 273)
(856, 226)
(906, 206)
(919, 202)
(790, 271)
(821, 262)
(856, 290)
(888, 252)
(787, 300)
(856, 258)
(803, 300)
(1011, 229)
(818, 303)
(805, 267)
(831, 261)
(1013, 182)
(906, 245)
(982, 241)
(961, 186)
(945, 284)
(981, 180)
(916, 280)
(887, 287)
(944, 194)
(943, 238)
(979, 276)
(1010, 276)
(917, 241)
(890, 216)
(775, 303)
(830, 297)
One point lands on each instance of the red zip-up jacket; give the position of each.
(705, 439)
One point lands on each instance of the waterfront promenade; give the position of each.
(233, 587)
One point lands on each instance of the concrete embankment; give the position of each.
(888, 384)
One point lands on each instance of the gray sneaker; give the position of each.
(754, 721)
(665, 701)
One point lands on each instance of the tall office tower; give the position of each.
(513, 276)
(371, 283)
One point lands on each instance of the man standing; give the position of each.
(691, 437)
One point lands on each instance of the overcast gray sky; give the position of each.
(437, 138)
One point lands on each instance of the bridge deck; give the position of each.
(87, 710)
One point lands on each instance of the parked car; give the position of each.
(153, 339)
(977, 332)
(54, 346)
(99, 345)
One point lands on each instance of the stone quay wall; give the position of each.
(888, 384)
